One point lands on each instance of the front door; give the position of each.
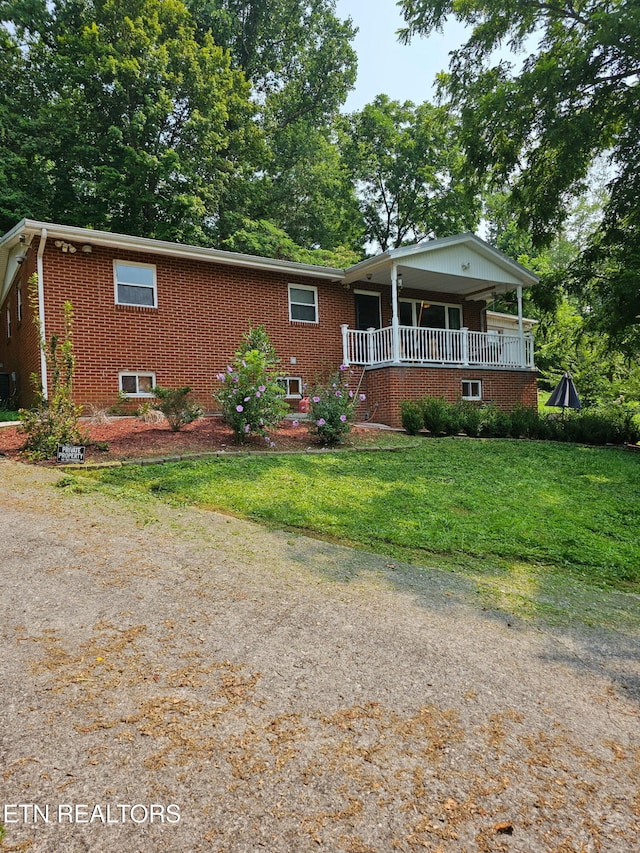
(367, 310)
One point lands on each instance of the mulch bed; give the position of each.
(132, 438)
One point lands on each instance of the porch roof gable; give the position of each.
(463, 265)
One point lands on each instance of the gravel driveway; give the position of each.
(177, 680)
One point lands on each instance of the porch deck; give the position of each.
(436, 348)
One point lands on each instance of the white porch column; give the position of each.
(345, 345)
(523, 357)
(395, 320)
(465, 345)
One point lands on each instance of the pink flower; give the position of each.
(343, 418)
(295, 423)
(321, 422)
(363, 397)
(261, 389)
(239, 408)
(343, 367)
(247, 428)
(316, 399)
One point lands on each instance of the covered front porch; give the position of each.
(424, 306)
(408, 345)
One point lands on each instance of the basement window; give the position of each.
(471, 389)
(134, 384)
(292, 387)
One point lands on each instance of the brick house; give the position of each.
(410, 321)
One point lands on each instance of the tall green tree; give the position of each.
(409, 172)
(539, 125)
(140, 125)
(299, 60)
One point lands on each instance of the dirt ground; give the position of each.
(132, 438)
(278, 693)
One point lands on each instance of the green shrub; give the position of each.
(175, 405)
(436, 415)
(469, 417)
(53, 420)
(332, 408)
(494, 423)
(251, 397)
(411, 415)
(525, 422)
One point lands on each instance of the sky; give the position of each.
(405, 73)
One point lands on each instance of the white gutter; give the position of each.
(178, 250)
(43, 337)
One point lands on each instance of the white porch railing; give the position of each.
(437, 347)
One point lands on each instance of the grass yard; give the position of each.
(534, 523)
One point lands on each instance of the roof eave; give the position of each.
(163, 247)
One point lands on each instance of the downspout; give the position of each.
(43, 338)
(395, 322)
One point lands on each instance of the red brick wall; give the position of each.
(20, 354)
(387, 387)
(203, 311)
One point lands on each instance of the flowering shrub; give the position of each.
(332, 408)
(251, 398)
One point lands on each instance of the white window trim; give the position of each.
(8, 322)
(117, 261)
(19, 311)
(315, 303)
(285, 380)
(476, 382)
(136, 373)
(415, 309)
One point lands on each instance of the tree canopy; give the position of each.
(136, 125)
(539, 127)
(409, 172)
(176, 121)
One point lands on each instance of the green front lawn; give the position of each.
(533, 514)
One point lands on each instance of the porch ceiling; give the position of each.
(428, 280)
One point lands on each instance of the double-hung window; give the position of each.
(303, 303)
(135, 284)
